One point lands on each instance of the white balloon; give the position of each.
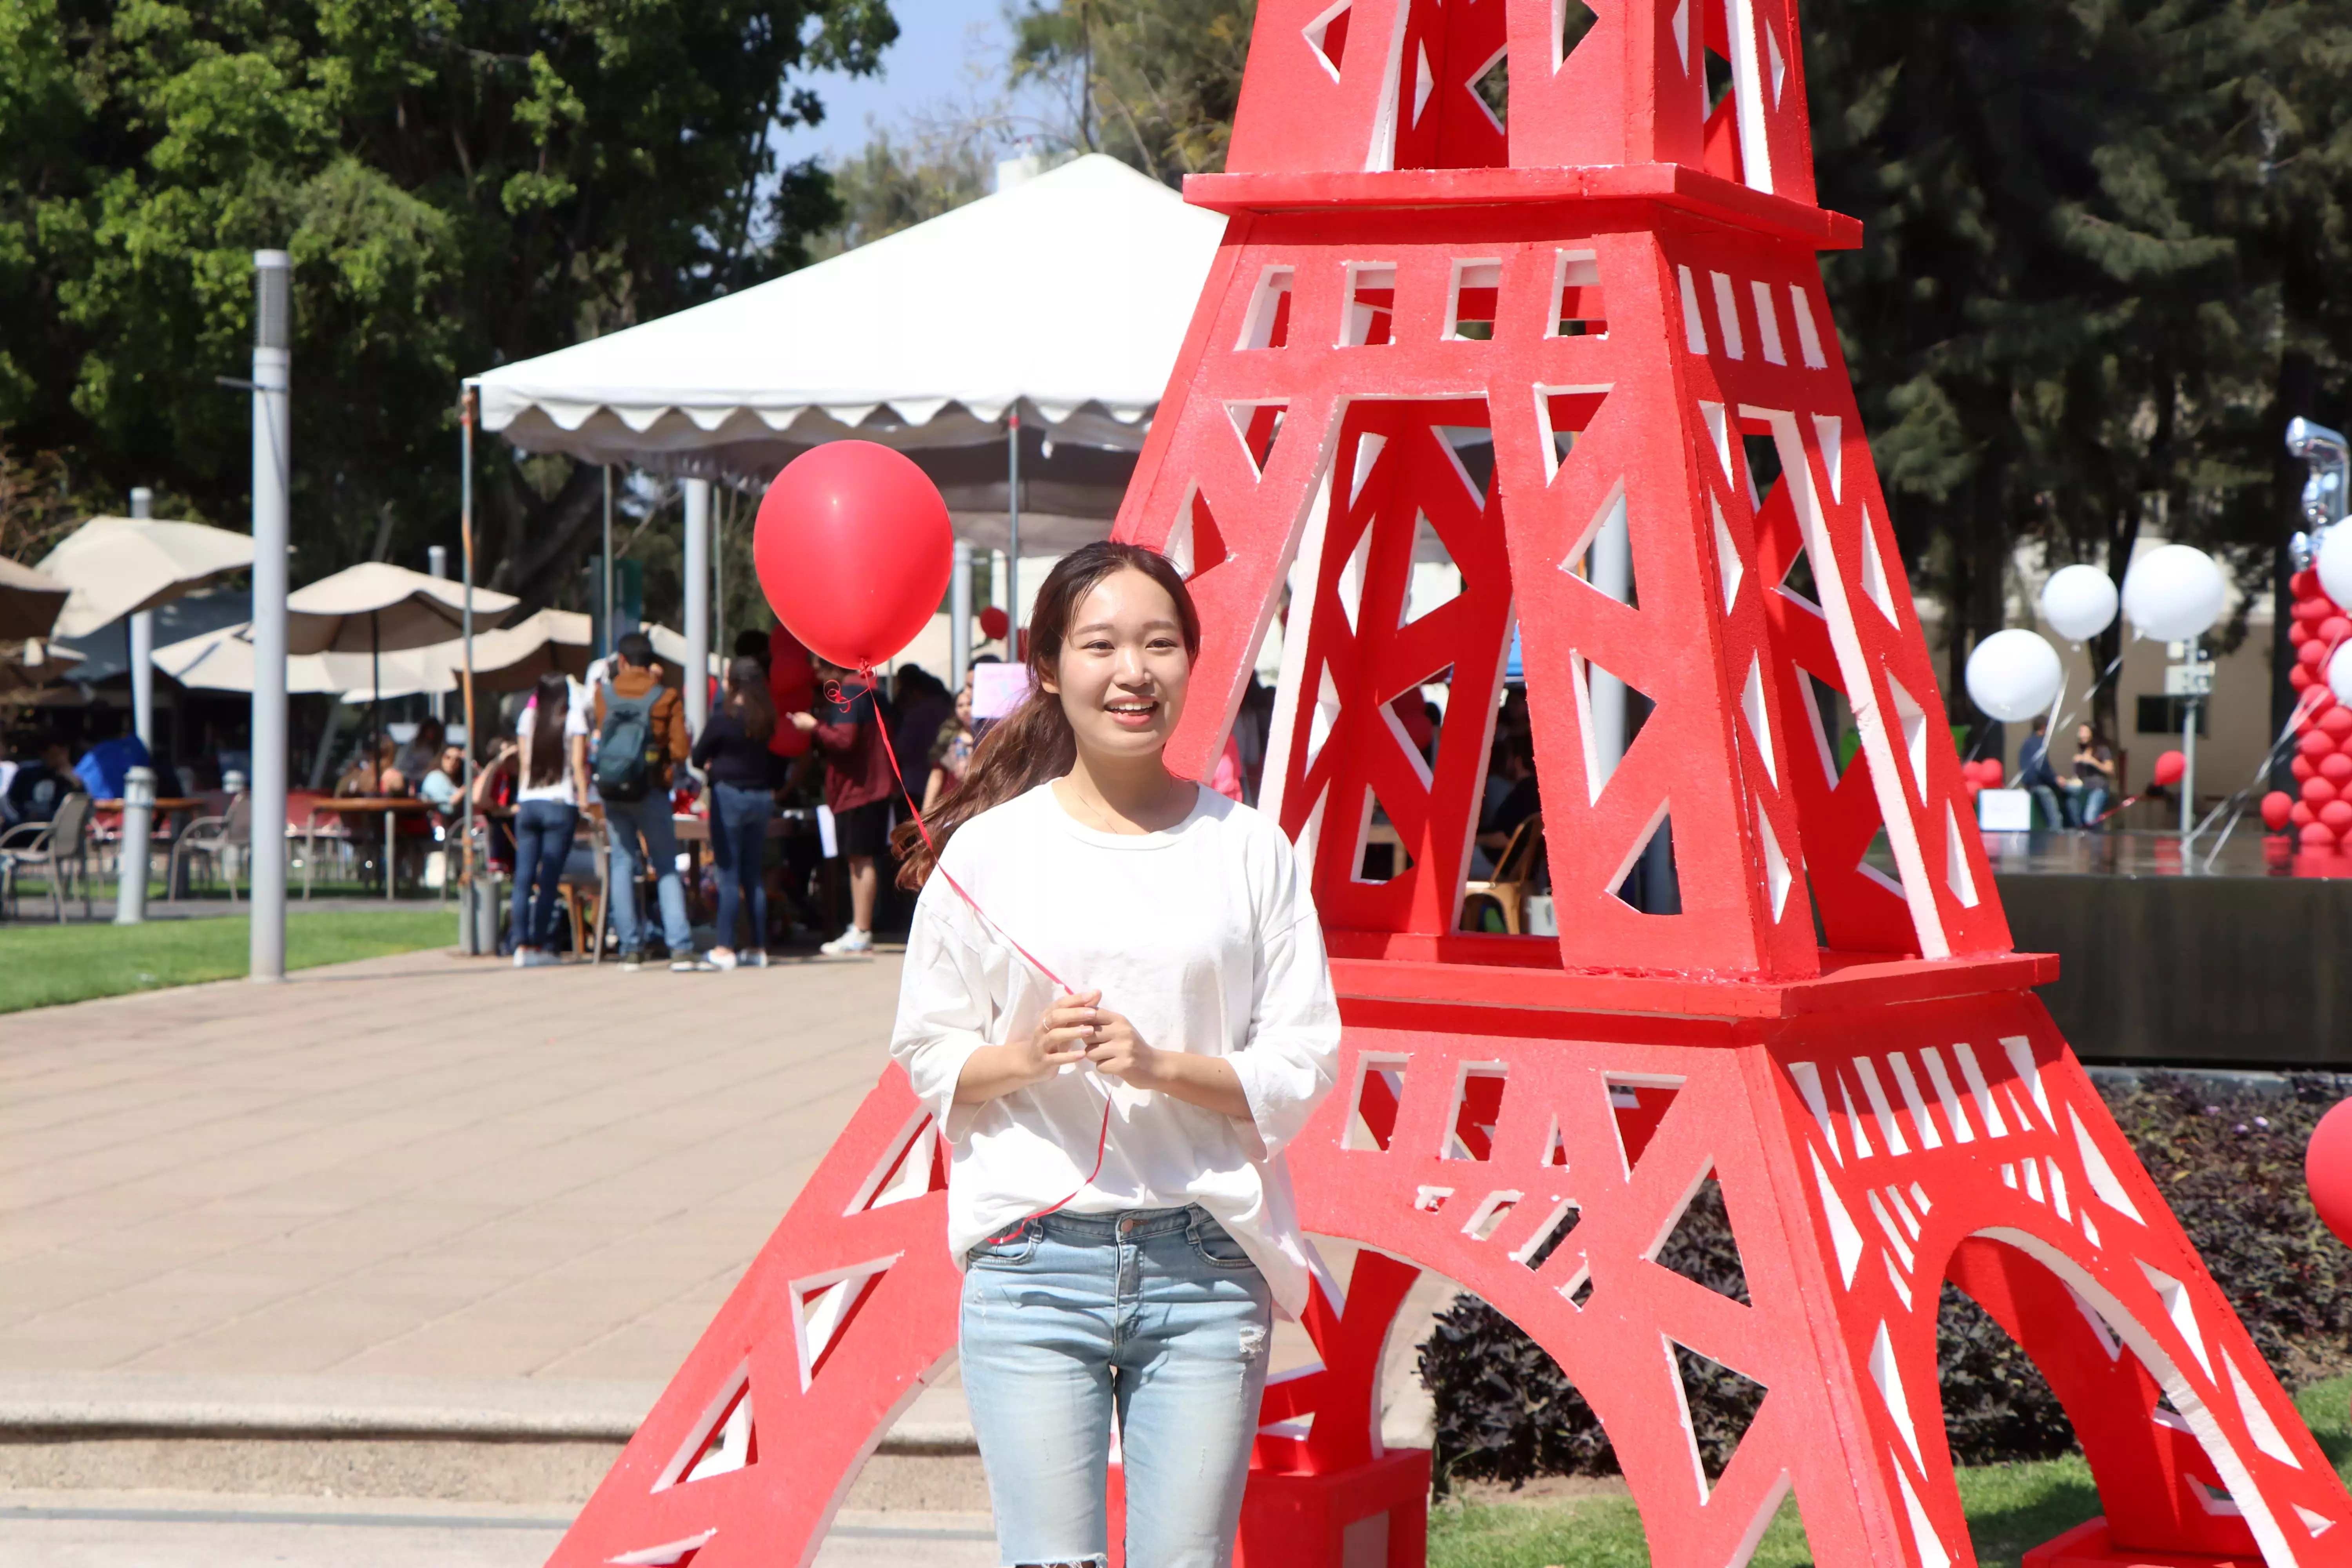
(2173, 592)
(2339, 673)
(2335, 564)
(2013, 675)
(2079, 601)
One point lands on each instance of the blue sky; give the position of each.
(937, 40)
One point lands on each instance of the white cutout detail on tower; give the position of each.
(1694, 324)
(1777, 878)
(1873, 573)
(1888, 1375)
(1423, 83)
(1316, 31)
(1768, 325)
(1957, 875)
(1809, 337)
(1751, 706)
(1913, 721)
(1471, 87)
(1727, 316)
(1846, 1238)
(1727, 557)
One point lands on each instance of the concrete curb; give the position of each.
(81, 1406)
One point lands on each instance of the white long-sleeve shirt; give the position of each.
(1205, 937)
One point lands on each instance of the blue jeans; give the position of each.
(543, 843)
(1157, 1313)
(2047, 799)
(2089, 801)
(738, 837)
(626, 823)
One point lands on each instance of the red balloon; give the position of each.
(2302, 815)
(2299, 676)
(2317, 835)
(2303, 770)
(854, 551)
(2304, 583)
(2313, 653)
(2299, 632)
(2337, 770)
(993, 622)
(2335, 630)
(2335, 722)
(2328, 1170)
(2277, 806)
(2319, 792)
(2314, 610)
(2168, 769)
(2315, 744)
(2338, 815)
(1972, 786)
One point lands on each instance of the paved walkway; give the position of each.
(426, 1168)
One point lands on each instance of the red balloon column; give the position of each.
(854, 551)
(2321, 818)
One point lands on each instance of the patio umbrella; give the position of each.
(29, 601)
(376, 608)
(222, 660)
(117, 567)
(30, 667)
(508, 659)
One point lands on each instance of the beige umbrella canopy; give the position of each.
(222, 660)
(29, 601)
(377, 607)
(30, 667)
(505, 660)
(116, 565)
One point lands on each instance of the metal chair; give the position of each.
(216, 836)
(1501, 901)
(51, 846)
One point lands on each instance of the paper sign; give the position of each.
(998, 689)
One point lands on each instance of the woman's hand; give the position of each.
(1058, 1040)
(1113, 1048)
(804, 723)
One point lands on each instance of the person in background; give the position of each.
(370, 770)
(416, 759)
(2094, 778)
(554, 772)
(2035, 776)
(441, 784)
(1515, 767)
(104, 767)
(924, 709)
(40, 787)
(858, 785)
(733, 752)
(495, 782)
(640, 830)
(951, 753)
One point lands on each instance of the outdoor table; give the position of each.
(392, 806)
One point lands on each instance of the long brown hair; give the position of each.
(543, 749)
(1034, 743)
(748, 700)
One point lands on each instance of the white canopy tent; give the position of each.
(1064, 298)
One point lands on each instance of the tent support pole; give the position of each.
(697, 604)
(1013, 534)
(473, 736)
(610, 636)
(959, 616)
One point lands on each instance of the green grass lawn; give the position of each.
(2010, 1507)
(43, 965)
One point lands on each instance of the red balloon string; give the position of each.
(1102, 1137)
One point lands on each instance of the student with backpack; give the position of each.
(640, 736)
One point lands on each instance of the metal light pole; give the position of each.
(143, 647)
(697, 604)
(612, 634)
(1013, 534)
(436, 564)
(472, 938)
(273, 346)
(960, 616)
(2189, 751)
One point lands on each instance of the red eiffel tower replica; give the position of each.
(1517, 285)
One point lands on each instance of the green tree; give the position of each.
(1154, 83)
(460, 186)
(897, 182)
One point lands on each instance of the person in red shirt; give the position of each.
(858, 789)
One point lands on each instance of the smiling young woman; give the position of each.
(1117, 1195)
